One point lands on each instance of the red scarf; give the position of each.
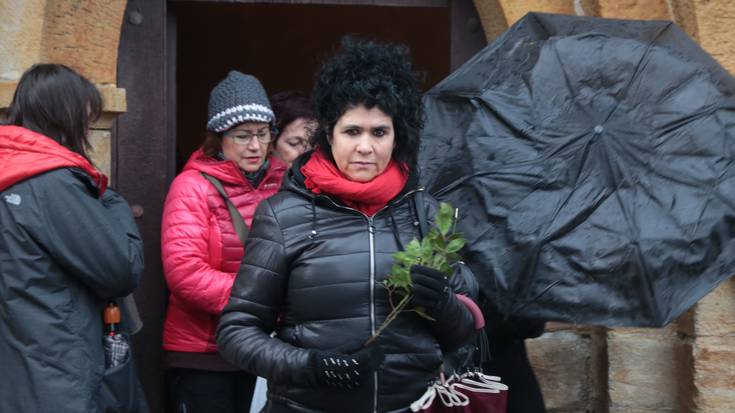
(323, 177)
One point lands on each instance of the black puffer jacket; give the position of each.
(311, 273)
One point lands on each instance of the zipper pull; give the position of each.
(371, 228)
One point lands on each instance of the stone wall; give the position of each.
(688, 366)
(83, 35)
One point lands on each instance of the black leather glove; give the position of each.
(430, 290)
(346, 371)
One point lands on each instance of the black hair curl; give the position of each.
(371, 74)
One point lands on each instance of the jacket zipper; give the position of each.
(371, 236)
(371, 233)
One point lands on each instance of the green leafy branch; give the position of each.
(438, 250)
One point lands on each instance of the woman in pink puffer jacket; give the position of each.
(201, 249)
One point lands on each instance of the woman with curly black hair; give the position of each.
(320, 249)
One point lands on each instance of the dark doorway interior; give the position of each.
(283, 44)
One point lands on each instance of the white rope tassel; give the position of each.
(424, 401)
(451, 393)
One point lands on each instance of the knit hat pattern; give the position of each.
(237, 99)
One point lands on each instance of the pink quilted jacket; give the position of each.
(200, 249)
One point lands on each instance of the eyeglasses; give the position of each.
(244, 138)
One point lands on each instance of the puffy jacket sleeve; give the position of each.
(94, 239)
(242, 335)
(185, 247)
(456, 326)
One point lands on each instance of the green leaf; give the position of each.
(427, 251)
(443, 219)
(438, 244)
(414, 247)
(400, 277)
(447, 270)
(437, 250)
(437, 261)
(403, 258)
(455, 245)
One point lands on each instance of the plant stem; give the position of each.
(392, 316)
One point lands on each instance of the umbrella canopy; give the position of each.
(592, 163)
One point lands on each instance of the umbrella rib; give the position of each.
(649, 296)
(536, 297)
(638, 69)
(686, 120)
(460, 181)
(562, 230)
(582, 108)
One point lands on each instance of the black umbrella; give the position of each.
(592, 162)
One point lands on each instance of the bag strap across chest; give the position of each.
(241, 228)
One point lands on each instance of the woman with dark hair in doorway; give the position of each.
(68, 244)
(321, 247)
(295, 125)
(205, 219)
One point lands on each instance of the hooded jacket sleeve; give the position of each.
(243, 334)
(95, 239)
(185, 245)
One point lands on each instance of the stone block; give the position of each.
(21, 32)
(714, 315)
(562, 361)
(113, 104)
(514, 9)
(714, 374)
(649, 370)
(716, 29)
(85, 36)
(492, 17)
(101, 151)
(635, 9)
(7, 89)
(684, 16)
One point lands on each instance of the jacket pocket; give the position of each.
(120, 390)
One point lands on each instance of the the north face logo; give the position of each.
(13, 199)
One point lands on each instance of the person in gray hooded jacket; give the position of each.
(67, 245)
(319, 250)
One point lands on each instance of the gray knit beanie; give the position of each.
(237, 99)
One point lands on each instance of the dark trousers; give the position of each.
(202, 391)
